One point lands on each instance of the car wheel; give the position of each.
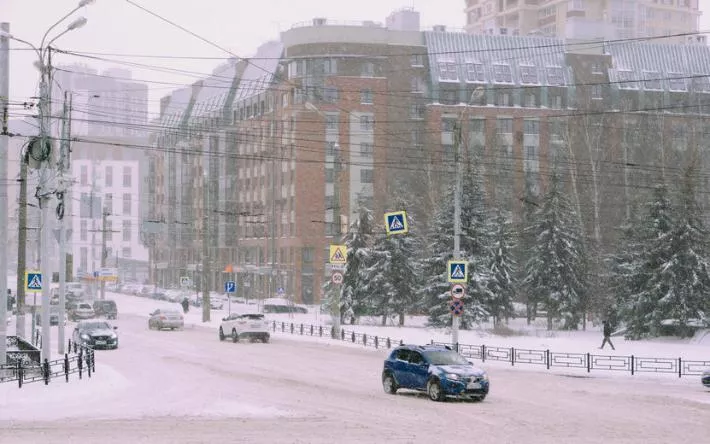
(266, 339)
(235, 336)
(221, 334)
(481, 398)
(389, 384)
(434, 391)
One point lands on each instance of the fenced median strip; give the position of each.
(80, 361)
(515, 356)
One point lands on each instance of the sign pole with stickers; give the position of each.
(337, 259)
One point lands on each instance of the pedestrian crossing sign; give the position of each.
(338, 254)
(458, 272)
(396, 222)
(33, 281)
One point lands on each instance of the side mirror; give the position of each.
(224, 319)
(115, 328)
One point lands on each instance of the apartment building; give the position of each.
(349, 115)
(111, 187)
(586, 19)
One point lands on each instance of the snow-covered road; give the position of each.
(186, 386)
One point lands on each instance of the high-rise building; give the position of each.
(586, 19)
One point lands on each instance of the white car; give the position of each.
(238, 326)
(83, 310)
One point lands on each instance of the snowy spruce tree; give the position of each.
(502, 269)
(354, 298)
(637, 308)
(475, 240)
(393, 273)
(555, 273)
(677, 270)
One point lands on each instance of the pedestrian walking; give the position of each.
(607, 335)
(185, 305)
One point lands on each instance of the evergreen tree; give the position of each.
(393, 275)
(354, 295)
(638, 309)
(556, 271)
(678, 281)
(502, 269)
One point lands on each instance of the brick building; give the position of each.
(335, 116)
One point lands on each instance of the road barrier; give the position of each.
(516, 356)
(81, 360)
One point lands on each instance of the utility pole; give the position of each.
(272, 133)
(206, 281)
(62, 197)
(22, 248)
(457, 221)
(4, 220)
(338, 232)
(106, 212)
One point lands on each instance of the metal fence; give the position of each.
(517, 356)
(81, 360)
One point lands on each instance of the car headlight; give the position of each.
(484, 376)
(453, 376)
(84, 336)
(113, 335)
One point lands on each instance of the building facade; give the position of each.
(586, 19)
(111, 188)
(273, 168)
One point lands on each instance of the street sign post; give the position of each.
(458, 291)
(185, 281)
(456, 307)
(33, 281)
(230, 287)
(338, 254)
(337, 277)
(457, 272)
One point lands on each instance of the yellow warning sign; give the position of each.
(338, 254)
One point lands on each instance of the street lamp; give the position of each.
(40, 150)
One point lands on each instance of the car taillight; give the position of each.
(163, 318)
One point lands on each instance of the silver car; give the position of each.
(161, 319)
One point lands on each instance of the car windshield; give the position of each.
(445, 357)
(95, 326)
(253, 317)
(85, 306)
(169, 312)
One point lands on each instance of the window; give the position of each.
(505, 126)
(367, 123)
(652, 80)
(84, 229)
(677, 82)
(331, 122)
(366, 149)
(417, 111)
(368, 69)
(626, 79)
(84, 175)
(502, 73)
(366, 176)
(84, 260)
(109, 202)
(531, 127)
(504, 99)
(447, 71)
(701, 83)
(555, 76)
(596, 92)
(126, 204)
(475, 72)
(126, 176)
(528, 74)
(530, 100)
(556, 101)
(417, 60)
(330, 94)
(307, 254)
(417, 85)
(331, 148)
(366, 96)
(108, 178)
(126, 252)
(126, 231)
(109, 230)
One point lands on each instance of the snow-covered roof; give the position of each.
(260, 72)
(656, 66)
(457, 57)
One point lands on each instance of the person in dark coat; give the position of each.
(607, 335)
(185, 305)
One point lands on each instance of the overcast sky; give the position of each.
(116, 26)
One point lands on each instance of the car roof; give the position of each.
(423, 348)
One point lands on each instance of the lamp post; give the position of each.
(40, 150)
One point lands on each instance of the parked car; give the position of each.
(106, 308)
(705, 379)
(82, 310)
(74, 291)
(96, 334)
(238, 326)
(161, 319)
(53, 316)
(437, 370)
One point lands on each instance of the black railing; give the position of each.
(81, 360)
(549, 359)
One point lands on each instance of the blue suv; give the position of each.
(435, 369)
